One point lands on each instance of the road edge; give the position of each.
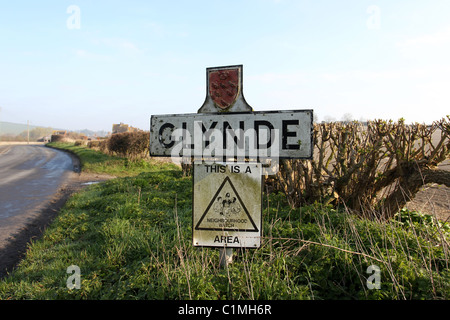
(13, 253)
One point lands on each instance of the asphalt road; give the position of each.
(29, 176)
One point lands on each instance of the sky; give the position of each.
(88, 64)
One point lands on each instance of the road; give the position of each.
(29, 176)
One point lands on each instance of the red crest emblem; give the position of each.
(224, 87)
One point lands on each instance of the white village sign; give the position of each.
(269, 134)
(227, 140)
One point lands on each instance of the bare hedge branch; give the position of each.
(380, 165)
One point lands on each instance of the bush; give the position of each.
(81, 143)
(93, 144)
(100, 145)
(61, 138)
(133, 145)
(376, 167)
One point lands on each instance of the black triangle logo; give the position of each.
(226, 212)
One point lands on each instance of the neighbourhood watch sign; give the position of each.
(227, 204)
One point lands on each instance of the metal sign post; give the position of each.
(227, 141)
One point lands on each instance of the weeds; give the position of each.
(130, 249)
(131, 238)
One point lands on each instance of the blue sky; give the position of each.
(127, 60)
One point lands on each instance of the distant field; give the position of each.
(14, 128)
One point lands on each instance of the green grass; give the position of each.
(97, 162)
(131, 238)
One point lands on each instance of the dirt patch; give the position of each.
(15, 249)
(433, 199)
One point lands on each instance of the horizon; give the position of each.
(33, 126)
(79, 64)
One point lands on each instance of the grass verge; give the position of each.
(97, 162)
(131, 239)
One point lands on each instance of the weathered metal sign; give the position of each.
(228, 142)
(242, 135)
(227, 204)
